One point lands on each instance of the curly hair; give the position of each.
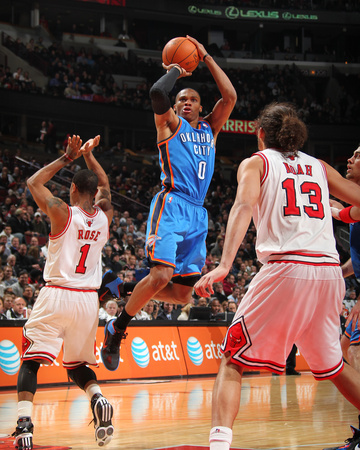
(283, 128)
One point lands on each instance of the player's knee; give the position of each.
(159, 280)
(81, 376)
(27, 379)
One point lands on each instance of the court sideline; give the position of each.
(277, 412)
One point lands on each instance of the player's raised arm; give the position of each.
(223, 108)
(103, 195)
(54, 207)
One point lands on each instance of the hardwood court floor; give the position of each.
(285, 412)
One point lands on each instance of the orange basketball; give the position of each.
(182, 51)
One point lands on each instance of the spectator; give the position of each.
(215, 308)
(28, 295)
(7, 302)
(235, 295)
(151, 309)
(19, 286)
(219, 292)
(185, 312)
(18, 309)
(168, 312)
(232, 307)
(7, 232)
(2, 315)
(202, 301)
(111, 309)
(19, 225)
(24, 261)
(9, 278)
(39, 227)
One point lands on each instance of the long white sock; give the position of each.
(220, 438)
(25, 408)
(92, 389)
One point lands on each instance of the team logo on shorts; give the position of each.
(151, 241)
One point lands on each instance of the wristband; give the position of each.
(206, 54)
(344, 215)
(68, 157)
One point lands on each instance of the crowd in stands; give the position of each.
(84, 75)
(24, 233)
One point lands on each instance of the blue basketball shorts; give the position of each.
(176, 233)
(354, 336)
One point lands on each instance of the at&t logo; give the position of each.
(9, 357)
(140, 352)
(195, 351)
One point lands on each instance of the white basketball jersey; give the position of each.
(74, 257)
(293, 217)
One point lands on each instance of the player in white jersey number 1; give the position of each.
(296, 297)
(73, 275)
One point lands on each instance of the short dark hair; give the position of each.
(86, 181)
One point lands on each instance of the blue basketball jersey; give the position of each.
(355, 247)
(187, 160)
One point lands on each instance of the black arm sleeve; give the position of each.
(159, 93)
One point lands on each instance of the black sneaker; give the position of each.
(352, 443)
(110, 352)
(23, 434)
(102, 412)
(292, 372)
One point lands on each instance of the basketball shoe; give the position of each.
(23, 434)
(102, 412)
(110, 352)
(352, 443)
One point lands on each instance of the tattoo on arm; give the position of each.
(105, 193)
(55, 202)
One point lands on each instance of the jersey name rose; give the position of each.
(90, 235)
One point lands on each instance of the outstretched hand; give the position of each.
(200, 48)
(204, 287)
(73, 147)
(183, 72)
(90, 145)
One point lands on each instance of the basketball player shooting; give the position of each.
(178, 223)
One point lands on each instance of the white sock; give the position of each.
(25, 408)
(92, 389)
(220, 438)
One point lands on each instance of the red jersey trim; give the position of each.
(307, 263)
(96, 208)
(266, 167)
(56, 236)
(324, 168)
(70, 289)
(328, 374)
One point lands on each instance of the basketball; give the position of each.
(182, 51)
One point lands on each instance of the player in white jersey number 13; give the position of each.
(296, 296)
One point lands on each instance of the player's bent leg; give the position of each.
(114, 331)
(26, 387)
(225, 403)
(102, 410)
(348, 384)
(175, 293)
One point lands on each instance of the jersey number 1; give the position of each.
(81, 268)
